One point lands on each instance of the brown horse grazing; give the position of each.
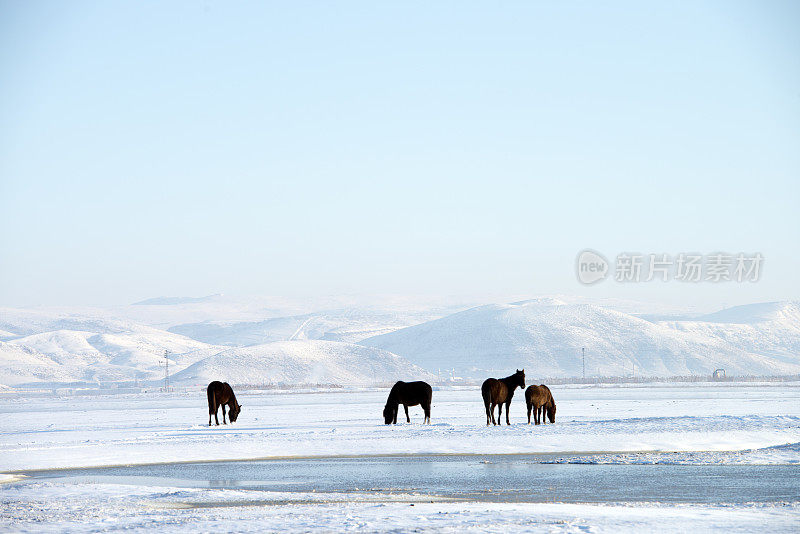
(220, 394)
(540, 398)
(497, 392)
(408, 394)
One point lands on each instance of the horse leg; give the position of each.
(408, 419)
(427, 409)
(394, 417)
(529, 414)
(223, 415)
(508, 409)
(538, 416)
(500, 413)
(212, 404)
(216, 412)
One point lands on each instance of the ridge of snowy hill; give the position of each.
(545, 336)
(224, 310)
(348, 325)
(783, 311)
(81, 356)
(172, 301)
(770, 329)
(17, 322)
(302, 362)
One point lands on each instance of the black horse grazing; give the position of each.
(220, 394)
(498, 392)
(539, 398)
(408, 394)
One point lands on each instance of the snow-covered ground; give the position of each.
(53, 507)
(49, 432)
(667, 423)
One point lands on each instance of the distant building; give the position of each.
(719, 374)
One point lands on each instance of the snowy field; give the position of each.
(684, 424)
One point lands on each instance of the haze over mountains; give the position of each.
(270, 341)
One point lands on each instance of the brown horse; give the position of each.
(498, 392)
(220, 394)
(408, 394)
(540, 398)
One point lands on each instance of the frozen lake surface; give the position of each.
(507, 478)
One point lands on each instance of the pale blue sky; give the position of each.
(187, 148)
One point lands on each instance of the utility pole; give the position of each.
(166, 370)
(583, 358)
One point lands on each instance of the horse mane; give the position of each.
(511, 379)
(392, 399)
(233, 396)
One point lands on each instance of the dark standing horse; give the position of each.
(498, 392)
(539, 398)
(408, 394)
(220, 394)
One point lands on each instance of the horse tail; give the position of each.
(486, 391)
(211, 400)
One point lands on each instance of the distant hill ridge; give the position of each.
(361, 345)
(547, 336)
(172, 301)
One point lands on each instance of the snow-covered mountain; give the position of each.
(81, 356)
(770, 329)
(545, 336)
(348, 325)
(63, 346)
(302, 362)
